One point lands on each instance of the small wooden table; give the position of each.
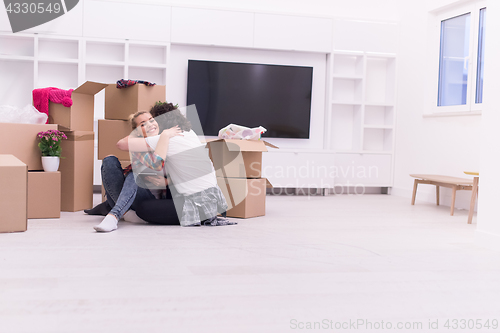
(475, 190)
(455, 183)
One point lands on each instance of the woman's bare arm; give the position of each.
(129, 143)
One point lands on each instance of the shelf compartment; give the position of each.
(63, 76)
(154, 75)
(346, 127)
(378, 139)
(17, 82)
(104, 73)
(17, 46)
(348, 65)
(58, 49)
(380, 80)
(100, 52)
(347, 90)
(382, 116)
(149, 55)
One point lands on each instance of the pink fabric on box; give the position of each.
(42, 96)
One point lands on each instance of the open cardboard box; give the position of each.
(121, 103)
(20, 140)
(79, 116)
(238, 158)
(13, 194)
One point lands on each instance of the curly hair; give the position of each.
(168, 115)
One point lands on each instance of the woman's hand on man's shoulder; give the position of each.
(171, 132)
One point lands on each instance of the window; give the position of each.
(480, 56)
(459, 72)
(454, 61)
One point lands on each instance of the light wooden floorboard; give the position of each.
(334, 259)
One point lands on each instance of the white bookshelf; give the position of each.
(362, 111)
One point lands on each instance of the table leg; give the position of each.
(437, 195)
(453, 196)
(415, 184)
(474, 194)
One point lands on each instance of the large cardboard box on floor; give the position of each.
(121, 103)
(237, 158)
(79, 116)
(77, 171)
(20, 140)
(245, 197)
(13, 194)
(109, 132)
(44, 195)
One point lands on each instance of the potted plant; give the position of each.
(50, 146)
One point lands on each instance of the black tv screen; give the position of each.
(273, 96)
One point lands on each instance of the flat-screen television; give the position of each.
(273, 96)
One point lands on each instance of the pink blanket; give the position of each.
(42, 96)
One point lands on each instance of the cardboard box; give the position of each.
(245, 197)
(20, 140)
(13, 194)
(109, 133)
(121, 103)
(77, 171)
(44, 195)
(80, 116)
(238, 158)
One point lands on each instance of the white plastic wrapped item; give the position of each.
(27, 115)
(233, 131)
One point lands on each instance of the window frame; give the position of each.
(439, 15)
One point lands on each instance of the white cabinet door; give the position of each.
(298, 170)
(144, 22)
(363, 169)
(212, 27)
(362, 35)
(293, 33)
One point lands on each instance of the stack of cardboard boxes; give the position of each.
(119, 105)
(46, 194)
(238, 167)
(43, 189)
(77, 163)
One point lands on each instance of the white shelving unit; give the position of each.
(362, 111)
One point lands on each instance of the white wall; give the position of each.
(433, 145)
(488, 226)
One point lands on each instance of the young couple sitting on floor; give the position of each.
(170, 180)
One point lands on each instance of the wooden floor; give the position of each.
(310, 261)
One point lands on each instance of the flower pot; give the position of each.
(50, 163)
